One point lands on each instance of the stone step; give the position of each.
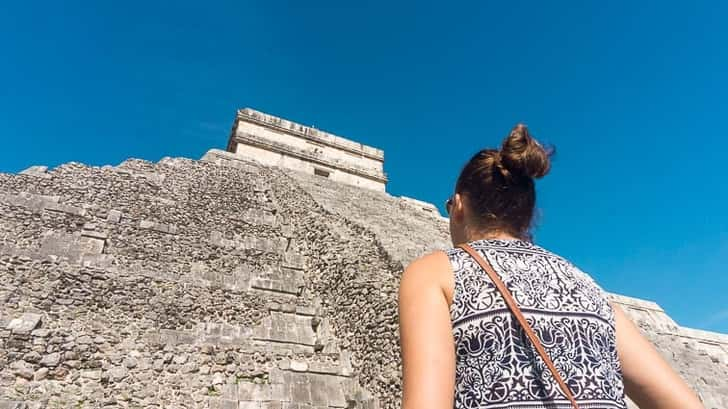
(297, 383)
(281, 280)
(286, 328)
(240, 242)
(257, 217)
(86, 248)
(39, 203)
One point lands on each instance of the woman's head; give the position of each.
(495, 194)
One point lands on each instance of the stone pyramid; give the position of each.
(225, 283)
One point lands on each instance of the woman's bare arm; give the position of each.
(648, 379)
(428, 351)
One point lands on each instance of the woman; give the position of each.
(463, 348)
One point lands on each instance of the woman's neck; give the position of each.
(497, 235)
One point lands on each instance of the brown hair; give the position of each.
(499, 183)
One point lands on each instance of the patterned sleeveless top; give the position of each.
(496, 365)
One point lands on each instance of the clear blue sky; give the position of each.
(632, 95)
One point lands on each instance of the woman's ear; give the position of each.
(458, 207)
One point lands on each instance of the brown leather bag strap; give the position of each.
(521, 319)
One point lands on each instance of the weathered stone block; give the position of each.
(91, 374)
(323, 368)
(229, 391)
(254, 391)
(276, 286)
(287, 231)
(303, 310)
(12, 404)
(282, 280)
(75, 247)
(217, 239)
(91, 244)
(22, 369)
(39, 171)
(279, 392)
(64, 208)
(40, 374)
(94, 234)
(158, 199)
(51, 360)
(231, 335)
(346, 367)
(25, 324)
(293, 259)
(298, 366)
(118, 373)
(217, 403)
(159, 227)
(173, 337)
(336, 396)
(300, 392)
(319, 390)
(40, 332)
(285, 327)
(33, 357)
(114, 216)
(277, 376)
(277, 246)
(30, 201)
(258, 217)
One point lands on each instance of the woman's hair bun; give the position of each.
(521, 154)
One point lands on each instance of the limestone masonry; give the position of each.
(231, 282)
(274, 141)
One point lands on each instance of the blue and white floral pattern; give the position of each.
(497, 367)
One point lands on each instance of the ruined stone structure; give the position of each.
(226, 283)
(278, 142)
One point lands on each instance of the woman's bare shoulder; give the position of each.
(432, 261)
(430, 266)
(429, 270)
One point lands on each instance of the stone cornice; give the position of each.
(252, 140)
(293, 128)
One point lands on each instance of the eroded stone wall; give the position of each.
(177, 284)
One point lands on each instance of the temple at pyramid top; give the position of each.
(279, 142)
